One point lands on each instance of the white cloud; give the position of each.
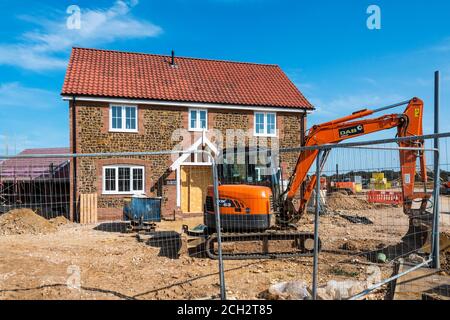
(11, 145)
(369, 80)
(27, 57)
(13, 94)
(47, 47)
(343, 105)
(304, 86)
(320, 111)
(361, 101)
(28, 104)
(443, 46)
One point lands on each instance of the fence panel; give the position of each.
(126, 239)
(366, 245)
(142, 233)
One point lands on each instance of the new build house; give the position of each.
(134, 102)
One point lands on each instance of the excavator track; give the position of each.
(302, 244)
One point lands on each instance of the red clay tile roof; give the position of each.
(104, 73)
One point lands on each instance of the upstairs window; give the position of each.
(198, 119)
(123, 118)
(123, 179)
(265, 124)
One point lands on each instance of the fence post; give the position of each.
(223, 295)
(316, 228)
(435, 238)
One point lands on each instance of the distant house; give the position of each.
(41, 184)
(133, 102)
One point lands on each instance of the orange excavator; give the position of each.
(255, 207)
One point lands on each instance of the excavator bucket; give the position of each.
(419, 234)
(444, 243)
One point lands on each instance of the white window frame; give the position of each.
(124, 118)
(264, 134)
(116, 167)
(198, 128)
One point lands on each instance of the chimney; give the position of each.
(172, 60)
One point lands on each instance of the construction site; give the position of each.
(209, 151)
(43, 254)
(367, 243)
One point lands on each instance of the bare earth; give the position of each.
(114, 265)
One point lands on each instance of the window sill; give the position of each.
(265, 135)
(197, 130)
(110, 193)
(123, 131)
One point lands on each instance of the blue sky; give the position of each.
(323, 46)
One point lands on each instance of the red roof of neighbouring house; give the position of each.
(105, 73)
(33, 168)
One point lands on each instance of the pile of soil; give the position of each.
(339, 201)
(350, 246)
(59, 221)
(24, 221)
(445, 252)
(445, 262)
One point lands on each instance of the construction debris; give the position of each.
(289, 290)
(59, 221)
(349, 246)
(381, 257)
(422, 283)
(356, 219)
(24, 221)
(445, 262)
(338, 201)
(338, 290)
(415, 258)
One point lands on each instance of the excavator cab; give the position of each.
(249, 183)
(252, 166)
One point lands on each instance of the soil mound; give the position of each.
(59, 221)
(24, 221)
(339, 201)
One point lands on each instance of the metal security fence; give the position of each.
(42, 185)
(124, 227)
(369, 247)
(113, 229)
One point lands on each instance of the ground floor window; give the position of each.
(123, 179)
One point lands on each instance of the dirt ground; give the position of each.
(101, 262)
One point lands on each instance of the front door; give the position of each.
(194, 183)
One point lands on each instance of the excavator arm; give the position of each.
(408, 123)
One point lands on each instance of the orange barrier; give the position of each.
(387, 197)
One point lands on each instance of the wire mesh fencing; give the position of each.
(365, 227)
(377, 222)
(106, 226)
(371, 220)
(42, 185)
(130, 226)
